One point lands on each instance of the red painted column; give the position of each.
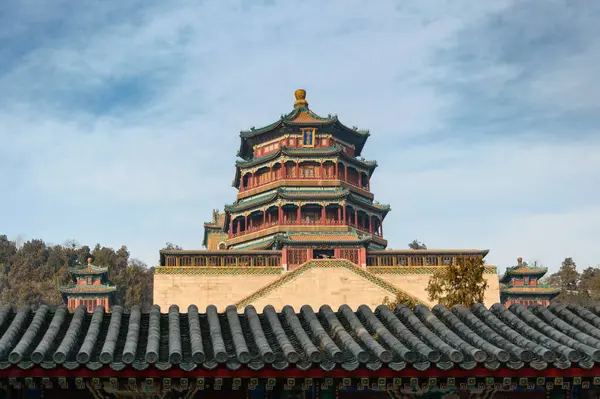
(337, 171)
(280, 215)
(298, 214)
(297, 170)
(246, 223)
(264, 217)
(362, 255)
(321, 170)
(323, 214)
(231, 227)
(356, 217)
(309, 253)
(381, 227)
(271, 178)
(339, 213)
(283, 171)
(344, 213)
(345, 172)
(284, 258)
(371, 224)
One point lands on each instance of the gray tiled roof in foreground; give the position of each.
(537, 337)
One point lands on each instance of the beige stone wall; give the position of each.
(204, 290)
(492, 294)
(324, 286)
(318, 286)
(415, 284)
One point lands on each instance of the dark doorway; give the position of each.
(323, 253)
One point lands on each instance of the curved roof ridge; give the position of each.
(291, 117)
(282, 193)
(301, 115)
(300, 339)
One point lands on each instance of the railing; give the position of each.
(326, 177)
(315, 222)
(226, 259)
(364, 229)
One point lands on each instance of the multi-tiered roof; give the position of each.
(90, 287)
(521, 285)
(302, 177)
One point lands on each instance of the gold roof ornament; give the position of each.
(300, 99)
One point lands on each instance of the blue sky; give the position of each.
(119, 124)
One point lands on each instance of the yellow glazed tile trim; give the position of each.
(218, 270)
(402, 270)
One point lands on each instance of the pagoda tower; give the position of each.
(304, 229)
(303, 187)
(521, 285)
(90, 287)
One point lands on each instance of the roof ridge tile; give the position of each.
(345, 339)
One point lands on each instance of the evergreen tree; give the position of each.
(567, 279)
(30, 274)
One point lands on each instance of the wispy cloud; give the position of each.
(119, 122)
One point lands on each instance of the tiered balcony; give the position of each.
(304, 171)
(289, 223)
(269, 180)
(358, 220)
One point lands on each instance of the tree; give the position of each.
(579, 288)
(589, 284)
(8, 250)
(170, 246)
(567, 280)
(416, 244)
(400, 299)
(31, 274)
(459, 284)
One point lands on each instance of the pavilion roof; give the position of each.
(310, 152)
(322, 237)
(530, 290)
(88, 269)
(87, 289)
(522, 269)
(327, 193)
(302, 116)
(556, 337)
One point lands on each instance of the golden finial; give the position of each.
(300, 99)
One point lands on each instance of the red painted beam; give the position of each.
(314, 373)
